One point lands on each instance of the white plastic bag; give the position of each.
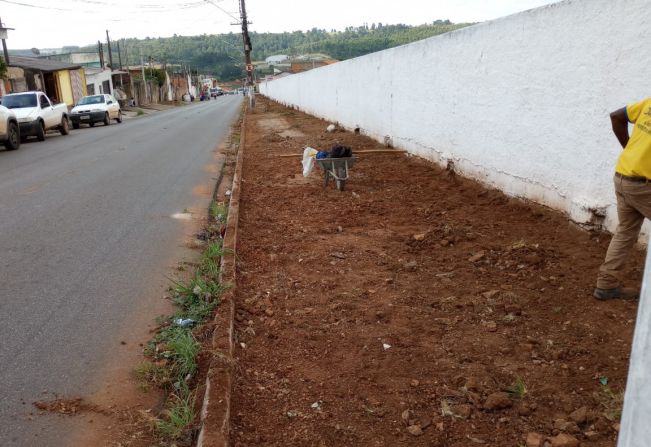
(308, 160)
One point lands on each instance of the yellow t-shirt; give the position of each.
(635, 159)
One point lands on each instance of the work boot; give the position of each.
(618, 293)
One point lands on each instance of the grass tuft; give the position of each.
(219, 211)
(446, 408)
(183, 350)
(611, 401)
(177, 417)
(149, 372)
(174, 349)
(518, 389)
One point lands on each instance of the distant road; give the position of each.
(86, 239)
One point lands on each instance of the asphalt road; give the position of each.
(86, 240)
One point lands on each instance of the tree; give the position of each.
(220, 54)
(155, 74)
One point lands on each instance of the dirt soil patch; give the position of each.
(414, 308)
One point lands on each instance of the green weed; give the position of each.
(198, 288)
(183, 352)
(140, 112)
(174, 349)
(198, 311)
(219, 211)
(209, 265)
(611, 402)
(179, 347)
(177, 417)
(149, 372)
(518, 389)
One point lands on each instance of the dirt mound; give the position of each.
(62, 406)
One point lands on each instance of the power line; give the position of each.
(155, 8)
(211, 2)
(34, 6)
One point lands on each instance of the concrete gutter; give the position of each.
(215, 412)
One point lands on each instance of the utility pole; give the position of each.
(144, 79)
(190, 81)
(247, 54)
(100, 51)
(119, 55)
(126, 54)
(108, 42)
(126, 60)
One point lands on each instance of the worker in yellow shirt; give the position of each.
(633, 191)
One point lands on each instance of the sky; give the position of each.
(55, 23)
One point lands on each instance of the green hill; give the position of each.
(221, 54)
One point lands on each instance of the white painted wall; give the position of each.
(96, 76)
(520, 103)
(635, 428)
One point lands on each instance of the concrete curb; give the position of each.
(215, 411)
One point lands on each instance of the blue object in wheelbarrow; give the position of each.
(337, 169)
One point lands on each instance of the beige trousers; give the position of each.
(633, 205)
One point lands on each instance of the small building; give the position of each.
(61, 81)
(276, 59)
(89, 59)
(99, 81)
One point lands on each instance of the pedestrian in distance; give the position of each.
(633, 192)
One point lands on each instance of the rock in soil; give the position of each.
(424, 422)
(407, 416)
(415, 430)
(591, 435)
(579, 416)
(498, 401)
(410, 266)
(490, 294)
(564, 440)
(464, 410)
(534, 439)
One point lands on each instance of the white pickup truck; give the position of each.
(36, 114)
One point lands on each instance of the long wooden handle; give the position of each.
(368, 151)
